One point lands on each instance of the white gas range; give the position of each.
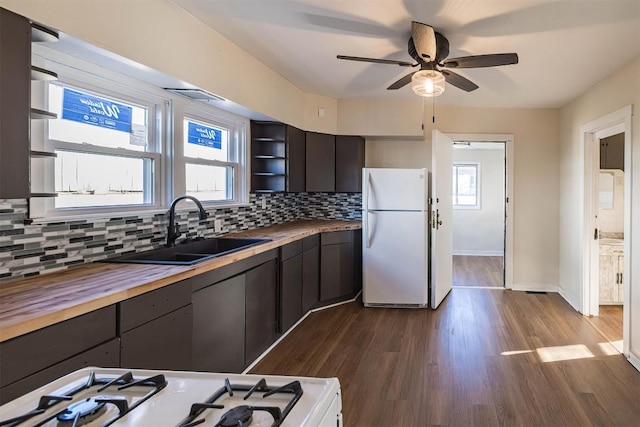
(121, 397)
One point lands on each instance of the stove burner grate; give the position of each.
(241, 416)
(155, 383)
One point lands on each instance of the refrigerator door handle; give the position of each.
(367, 183)
(367, 236)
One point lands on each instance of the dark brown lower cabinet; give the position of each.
(155, 329)
(106, 355)
(310, 272)
(218, 326)
(291, 290)
(260, 309)
(163, 343)
(234, 313)
(31, 360)
(336, 265)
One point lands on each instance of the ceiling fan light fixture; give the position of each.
(428, 83)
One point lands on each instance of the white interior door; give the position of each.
(441, 217)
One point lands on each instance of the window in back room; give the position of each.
(465, 185)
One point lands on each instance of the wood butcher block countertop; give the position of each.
(36, 302)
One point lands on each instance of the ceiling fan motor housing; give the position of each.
(442, 50)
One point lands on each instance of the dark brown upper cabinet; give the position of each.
(277, 157)
(349, 163)
(296, 160)
(16, 73)
(320, 162)
(612, 152)
(15, 87)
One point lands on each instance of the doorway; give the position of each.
(606, 270)
(483, 210)
(479, 203)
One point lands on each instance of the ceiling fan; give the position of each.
(430, 49)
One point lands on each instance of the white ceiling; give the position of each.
(564, 46)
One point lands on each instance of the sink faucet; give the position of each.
(173, 230)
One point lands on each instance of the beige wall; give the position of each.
(158, 34)
(381, 117)
(536, 170)
(613, 93)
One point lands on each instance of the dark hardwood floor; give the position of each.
(478, 270)
(609, 324)
(479, 360)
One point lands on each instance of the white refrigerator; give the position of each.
(395, 220)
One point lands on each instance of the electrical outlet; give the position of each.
(264, 203)
(217, 225)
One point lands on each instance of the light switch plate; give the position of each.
(217, 225)
(264, 203)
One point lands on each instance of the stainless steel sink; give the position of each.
(189, 253)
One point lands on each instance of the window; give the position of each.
(213, 154)
(124, 145)
(106, 151)
(466, 186)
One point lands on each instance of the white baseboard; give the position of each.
(535, 287)
(573, 301)
(463, 252)
(634, 360)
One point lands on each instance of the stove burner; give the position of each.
(82, 412)
(238, 416)
(241, 416)
(73, 414)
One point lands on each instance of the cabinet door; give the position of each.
(336, 271)
(163, 343)
(310, 278)
(290, 292)
(349, 163)
(15, 87)
(320, 162)
(295, 160)
(261, 314)
(218, 326)
(608, 284)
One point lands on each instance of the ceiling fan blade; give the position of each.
(424, 40)
(479, 61)
(377, 61)
(458, 81)
(402, 82)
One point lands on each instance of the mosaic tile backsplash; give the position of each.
(28, 250)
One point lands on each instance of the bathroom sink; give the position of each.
(189, 253)
(608, 241)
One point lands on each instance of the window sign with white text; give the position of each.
(204, 135)
(93, 110)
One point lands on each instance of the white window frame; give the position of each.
(476, 165)
(165, 131)
(237, 146)
(153, 180)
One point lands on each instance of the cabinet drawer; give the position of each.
(27, 354)
(290, 250)
(105, 355)
(310, 242)
(336, 237)
(146, 307)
